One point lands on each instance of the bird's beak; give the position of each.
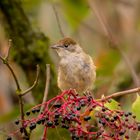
(56, 46)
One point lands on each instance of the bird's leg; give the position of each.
(88, 93)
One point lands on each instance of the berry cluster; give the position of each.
(84, 117)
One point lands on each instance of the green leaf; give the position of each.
(136, 108)
(75, 11)
(113, 105)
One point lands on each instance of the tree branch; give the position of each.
(47, 85)
(12, 71)
(34, 84)
(121, 93)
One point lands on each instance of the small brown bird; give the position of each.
(76, 68)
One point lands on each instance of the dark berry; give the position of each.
(90, 109)
(79, 107)
(56, 115)
(75, 137)
(112, 120)
(111, 135)
(130, 113)
(103, 109)
(86, 118)
(58, 105)
(17, 122)
(55, 120)
(56, 123)
(115, 117)
(126, 120)
(63, 120)
(138, 126)
(9, 138)
(121, 114)
(33, 111)
(28, 113)
(63, 125)
(119, 104)
(100, 121)
(103, 123)
(43, 120)
(89, 98)
(134, 128)
(67, 127)
(32, 126)
(38, 110)
(98, 134)
(107, 118)
(21, 130)
(39, 121)
(126, 114)
(127, 137)
(121, 133)
(47, 118)
(49, 123)
(82, 103)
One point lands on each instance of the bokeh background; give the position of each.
(108, 30)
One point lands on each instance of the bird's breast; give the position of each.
(76, 72)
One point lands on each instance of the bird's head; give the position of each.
(66, 46)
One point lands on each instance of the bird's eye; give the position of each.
(66, 45)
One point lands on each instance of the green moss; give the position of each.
(30, 47)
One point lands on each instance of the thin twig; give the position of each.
(58, 21)
(12, 71)
(121, 93)
(34, 84)
(9, 47)
(47, 85)
(18, 91)
(113, 40)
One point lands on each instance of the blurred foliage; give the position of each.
(13, 114)
(136, 108)
(106, 62)
(31, 6)
(75, 11)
